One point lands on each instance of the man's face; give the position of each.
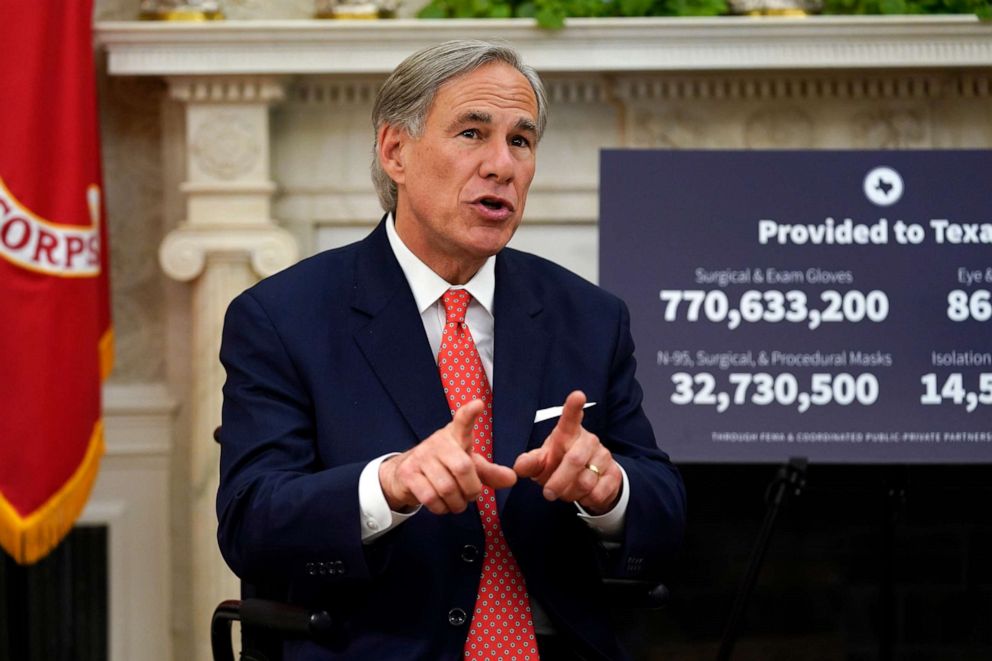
(463, 183)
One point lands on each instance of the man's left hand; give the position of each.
(572, 465)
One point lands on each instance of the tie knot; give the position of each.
(455, 304)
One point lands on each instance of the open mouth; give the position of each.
(495, 203)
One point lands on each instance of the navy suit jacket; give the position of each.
(328, 366)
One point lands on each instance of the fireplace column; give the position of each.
(227, 241)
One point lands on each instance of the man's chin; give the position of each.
(488, 248)
(491, 237)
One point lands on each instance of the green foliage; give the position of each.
(551, 14)
(981, 8)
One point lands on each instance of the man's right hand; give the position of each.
(442, 472)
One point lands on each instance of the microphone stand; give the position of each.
(790, 479)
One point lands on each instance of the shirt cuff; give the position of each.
(610, 525)
(377, 518)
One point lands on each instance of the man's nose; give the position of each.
(498, 162)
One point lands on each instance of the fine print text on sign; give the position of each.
(833, 305)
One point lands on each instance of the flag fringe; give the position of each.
(106, 353)
(28, 539)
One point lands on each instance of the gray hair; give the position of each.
(405, 98)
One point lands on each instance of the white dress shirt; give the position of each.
(428, 288)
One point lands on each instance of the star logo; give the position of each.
(883, 186)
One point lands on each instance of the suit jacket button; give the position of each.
(470, 553)
(456, 617)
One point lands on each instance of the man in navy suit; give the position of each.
(351, 475)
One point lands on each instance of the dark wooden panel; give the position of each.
(57, 609)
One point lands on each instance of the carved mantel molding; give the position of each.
(228, 186)
(627, 44)
(184, 252)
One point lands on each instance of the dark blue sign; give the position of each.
(828, 304)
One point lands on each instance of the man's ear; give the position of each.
(391, 142)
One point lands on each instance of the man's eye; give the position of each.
(470, 133)
(520, 141)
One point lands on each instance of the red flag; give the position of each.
(55, 332)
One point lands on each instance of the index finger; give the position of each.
(571, 417)
(462, 423)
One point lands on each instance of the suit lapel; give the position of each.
(390, 333)
(518, 356)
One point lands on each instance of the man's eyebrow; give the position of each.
(527, 125)
(472, 117)
(481, 117)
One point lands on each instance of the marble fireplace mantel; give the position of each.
(917, 82)
(631, 44)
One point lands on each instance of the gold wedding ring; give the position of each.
(593, 467)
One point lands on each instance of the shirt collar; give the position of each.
(428, 286)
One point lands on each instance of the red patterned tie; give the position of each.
(502, 627)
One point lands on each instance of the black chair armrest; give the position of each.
(220, 629)
(636, 594)
(287, 620)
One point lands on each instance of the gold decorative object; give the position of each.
(776, 7)
(181, 10)
(356, 9)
